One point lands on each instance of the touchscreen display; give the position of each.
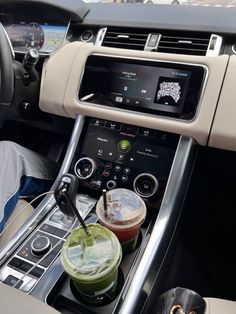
(140, 85)
(131, 149)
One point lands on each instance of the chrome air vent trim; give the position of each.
(125, 38)
(178, 42)
(181, 43)
(214, 46)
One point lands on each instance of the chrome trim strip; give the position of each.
(48, 202)
(100, 36)
(217, 47)
(147, 47)
(162, 232)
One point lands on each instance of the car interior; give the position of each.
(131, 96)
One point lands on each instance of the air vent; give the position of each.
(184, 43)
(178, 42)
(128, 39)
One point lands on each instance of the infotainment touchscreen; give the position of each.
(149, 87)
(146, 86)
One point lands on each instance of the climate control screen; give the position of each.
(114, 155)
(129, 145)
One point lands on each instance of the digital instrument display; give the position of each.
(46, 38)
(146, 86)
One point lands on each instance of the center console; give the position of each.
(105, 155)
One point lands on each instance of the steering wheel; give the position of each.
(6, 69)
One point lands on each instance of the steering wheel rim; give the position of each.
(6, 69)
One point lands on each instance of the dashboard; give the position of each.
(182, 98)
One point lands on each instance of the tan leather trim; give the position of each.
(21, 213)
(219, 306)
(14, 301)
(62, 75)
(223, 134)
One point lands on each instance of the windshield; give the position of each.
(206, 3)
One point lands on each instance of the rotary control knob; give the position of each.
(40, 245)
(85, 168)
(111, 184)
(145, 185)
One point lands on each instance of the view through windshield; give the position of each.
(206, 3)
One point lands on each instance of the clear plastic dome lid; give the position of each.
(93, 255)
(124, 209)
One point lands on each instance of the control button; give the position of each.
(108, 165)
(53, 230)
(24, 266)
(40, 245)
(129, 129)
(121, 156)
(117, 168)
(118, 99)
(12, 280)
(145, 185)
(106, 173)
(95, 184)
(113, 125)
(124, 178)
(111, 184)
(57, 248)
(146, 132)
(29, 282)
(53, 240)
(167, 137)
(85, 168)
(126, 170)
(47, 260)
(87, 35)
(25, 252)
(152, 42)
(97, 122)
(124, 146)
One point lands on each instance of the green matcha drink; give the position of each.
(92, 261)
(125, 213)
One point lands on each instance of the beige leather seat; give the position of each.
(14, 301)
(220, 306)
(21, 213)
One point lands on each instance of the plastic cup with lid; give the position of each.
(124, 215)
(92, 262)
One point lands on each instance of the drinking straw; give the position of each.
(75, 211)
(104, 194)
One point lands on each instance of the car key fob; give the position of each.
(68, 183)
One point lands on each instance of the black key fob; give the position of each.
(68, 183)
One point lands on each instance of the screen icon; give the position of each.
(124, 146)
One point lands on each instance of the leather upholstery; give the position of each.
(19, 216)
(15, 301)
(219, 306)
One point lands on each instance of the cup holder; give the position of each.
(132, 245)
(103, 299)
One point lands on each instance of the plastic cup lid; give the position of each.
(90, 257)
(124, 209)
